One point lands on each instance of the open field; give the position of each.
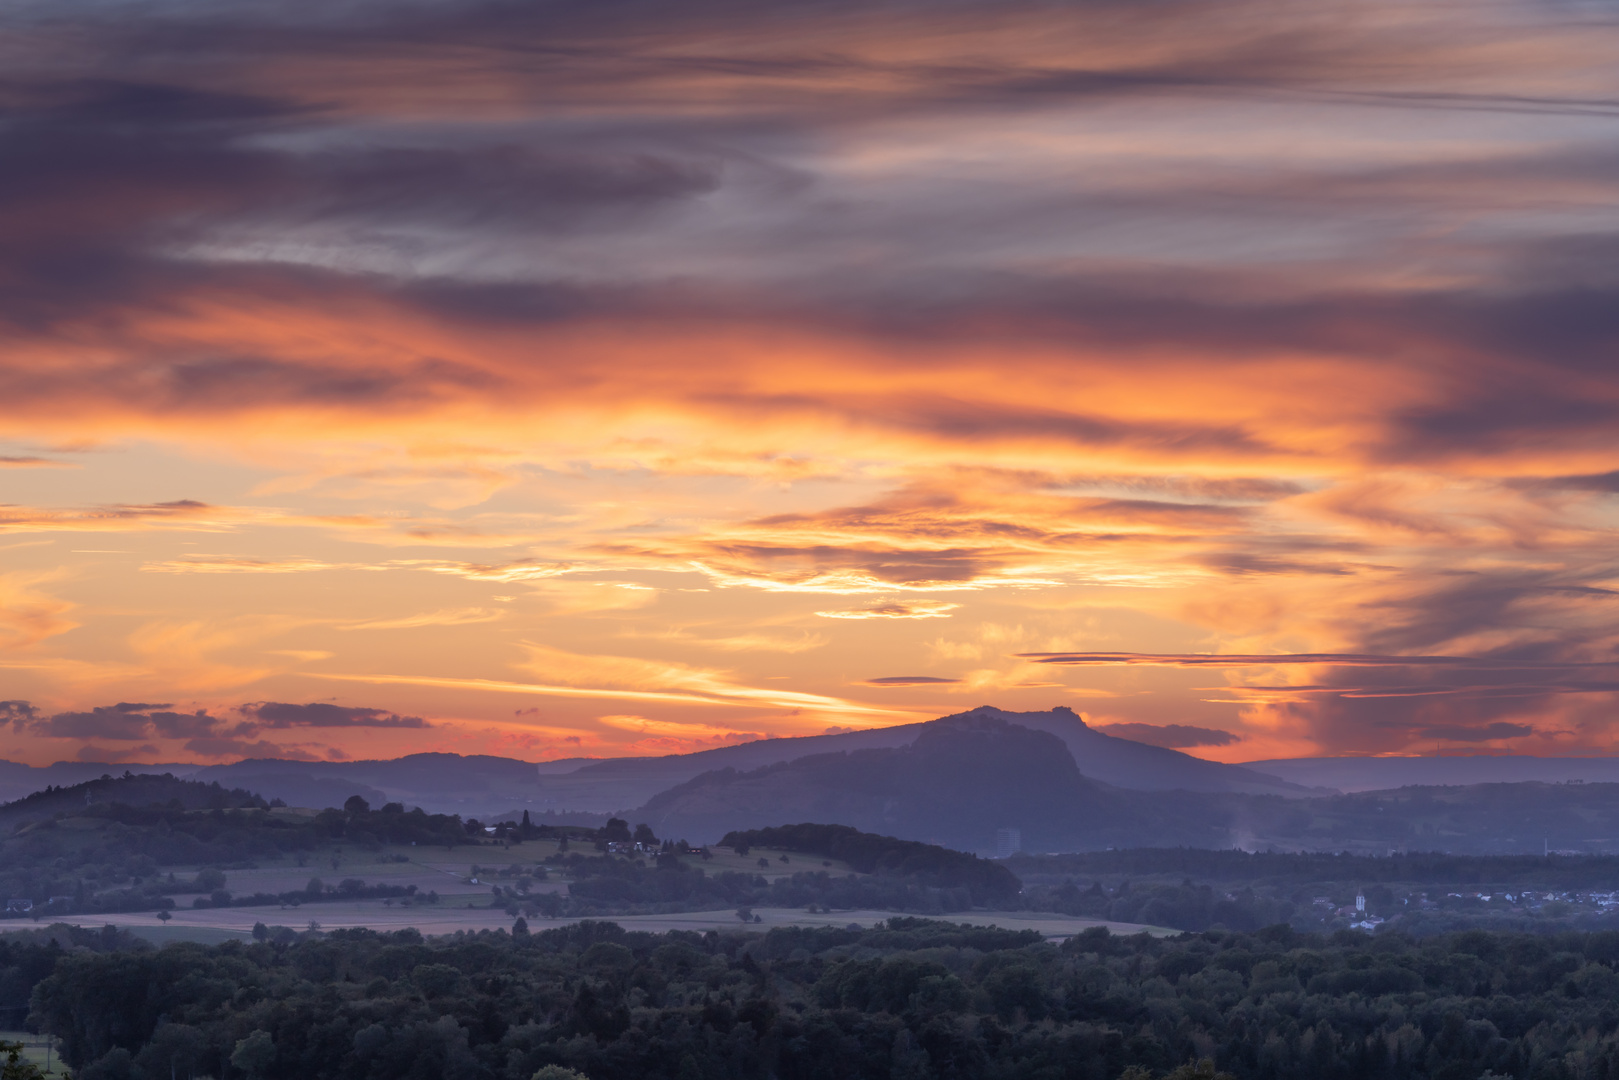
(459, 875)
(463, 878)
(448, 872)
(221, 924)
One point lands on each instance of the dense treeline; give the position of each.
(1185, 906)
(911, 998)
(870, 853)
(605, 885)
(27, 957)
(1309, 867)
(1420, 892)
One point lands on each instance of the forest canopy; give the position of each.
(909, 997)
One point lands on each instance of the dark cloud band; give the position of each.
(1241, 660)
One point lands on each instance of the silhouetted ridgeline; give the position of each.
(912, 998)
(482, 785)
(128, 790)
(955, 782)
(954, 785)
(965, 777)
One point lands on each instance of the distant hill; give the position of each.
(954, 785)
(958, 782)
(485, 786)
(1382, 773)
(1124, 763)
(127, 790)
(471, 785)
(18, 781)
(1118, 762)
(970, 775)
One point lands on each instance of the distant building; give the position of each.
(1008, 842)
(1360, 902)
(19, 907)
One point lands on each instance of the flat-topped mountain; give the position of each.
(969, 776)
(957, 783)
(1125, 763)
(620, 782)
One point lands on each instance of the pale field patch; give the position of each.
(219, 924)
(34, 1050)
(445, 870)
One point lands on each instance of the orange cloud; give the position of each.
(895, 610)
(28, 615)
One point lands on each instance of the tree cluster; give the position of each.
(989, 883)
(609, 885)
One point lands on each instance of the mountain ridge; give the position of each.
(479, 785)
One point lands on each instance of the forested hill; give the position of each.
(127, 790)
(112, 845)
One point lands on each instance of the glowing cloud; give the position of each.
(1175, 736)
(895, 610)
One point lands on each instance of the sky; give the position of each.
(560, 379)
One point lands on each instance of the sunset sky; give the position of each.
(583, 379)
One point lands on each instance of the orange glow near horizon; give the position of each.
(722, 379)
